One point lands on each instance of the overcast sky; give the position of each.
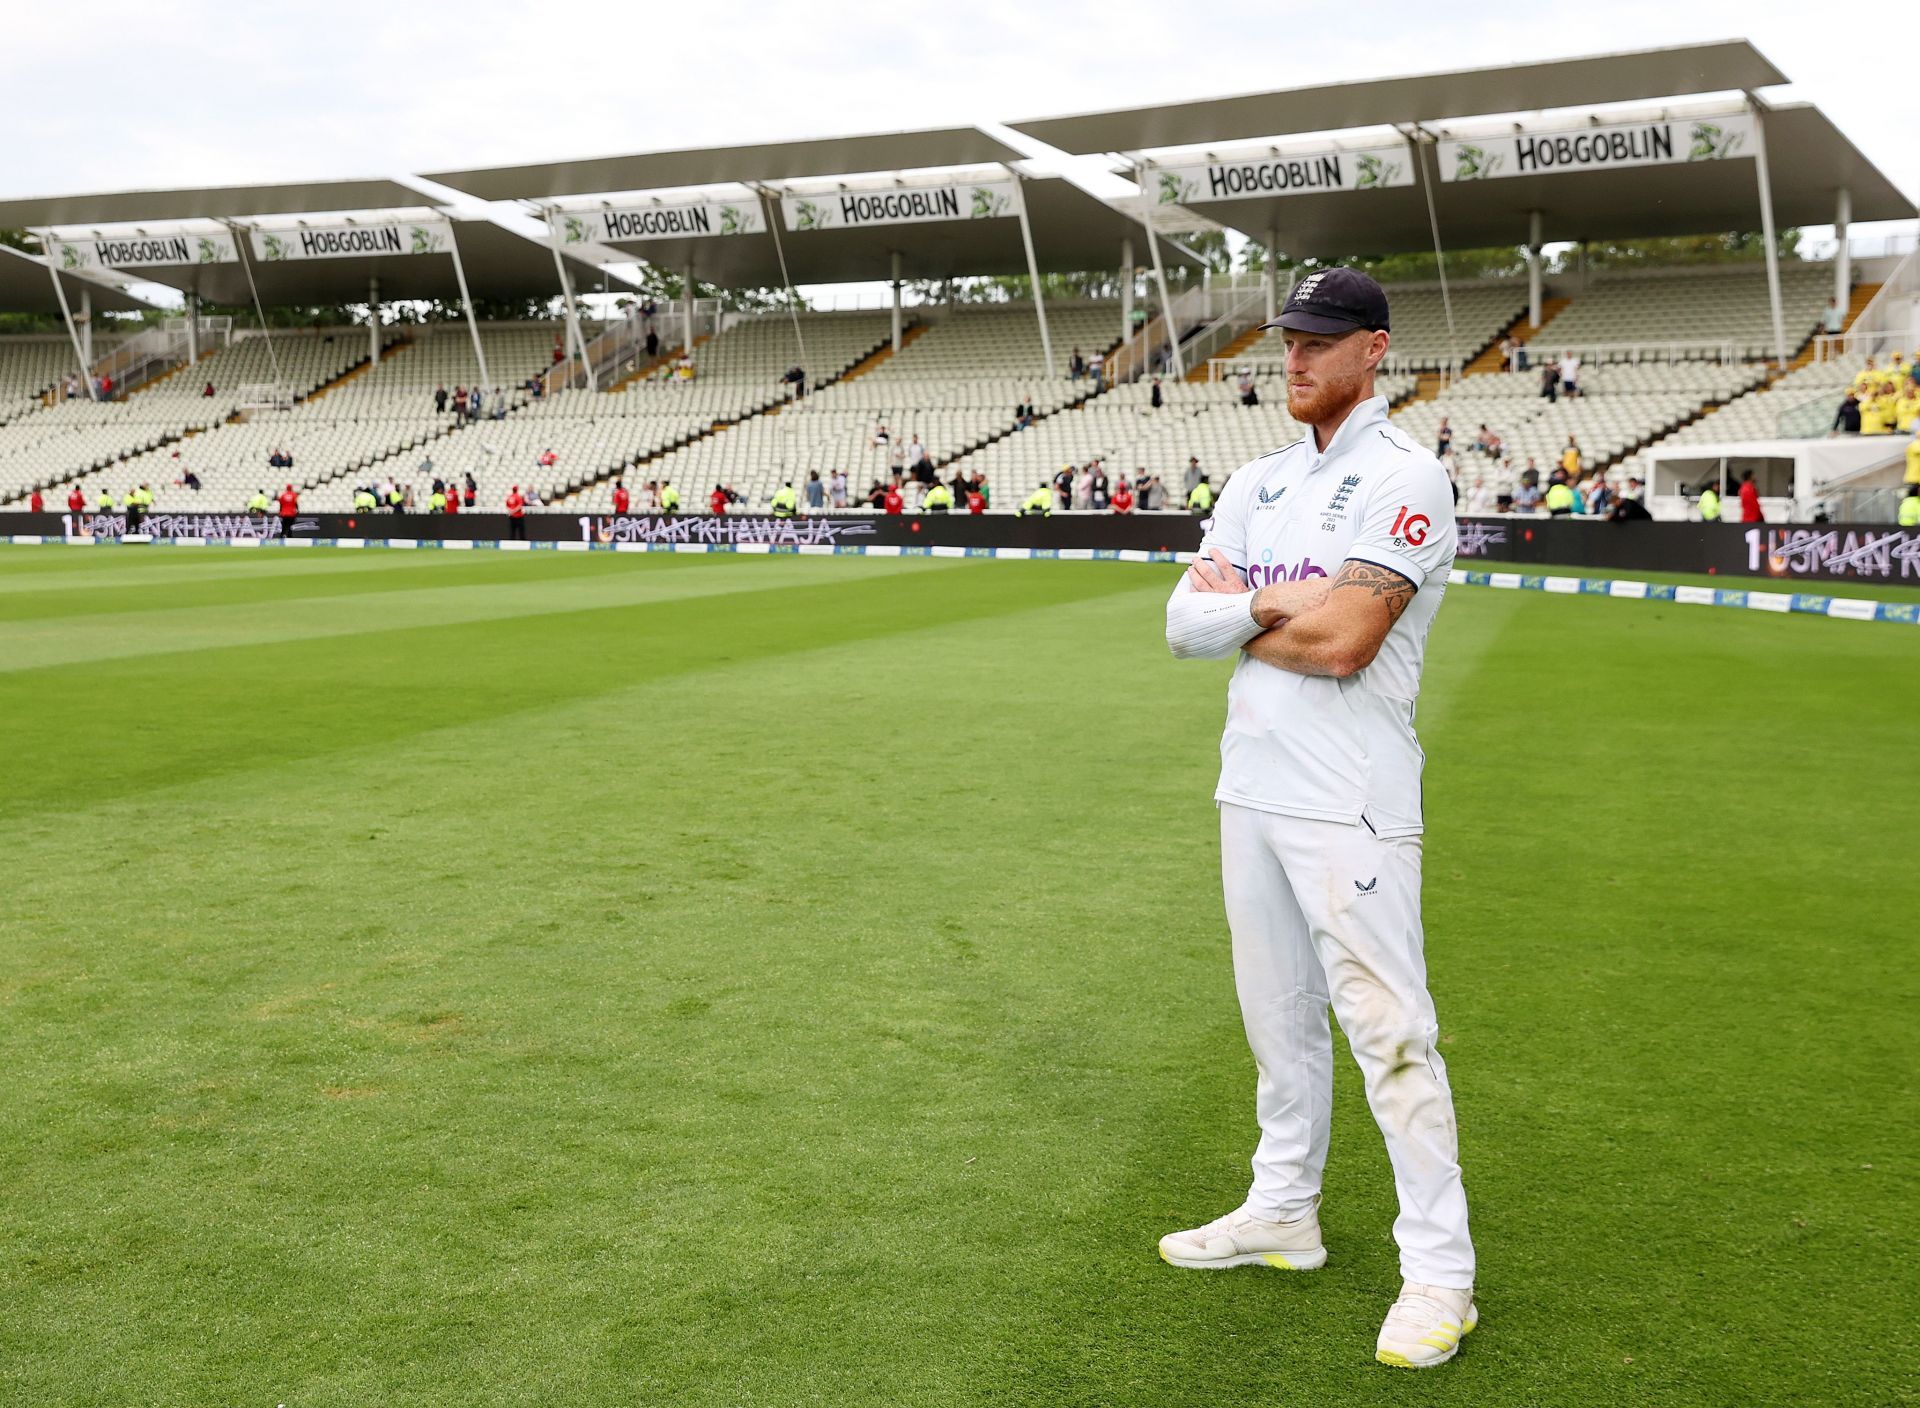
(201, 93)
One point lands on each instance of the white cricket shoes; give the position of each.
(1425, 1326)
(1241, 1239)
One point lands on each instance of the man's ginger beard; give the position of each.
(1335, 388)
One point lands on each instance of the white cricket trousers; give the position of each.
(1325, 911)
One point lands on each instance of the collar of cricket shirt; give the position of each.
(1364, 415)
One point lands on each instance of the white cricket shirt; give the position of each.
(1310, 745)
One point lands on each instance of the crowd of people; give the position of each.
(1882, 400)
(471, 405)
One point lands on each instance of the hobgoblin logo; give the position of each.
(1412, 527)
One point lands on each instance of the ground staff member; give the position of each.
(785, 502)
(1321, 572)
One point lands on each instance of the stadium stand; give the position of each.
(954, 385)
(31, 367)
(1620, 410)
(1702, 305)
(1481, 312)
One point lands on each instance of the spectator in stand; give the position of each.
(837, 488)
(536, 386)
(1142, 489)
(1101, 494)
(1600, 496)
(1083, 487)
(76, 501)
(1750, 499)
(453, 497)
(892, 502)
(897, 463)
(1913, 458)
(1076, 366)
(548, 459)
(1550, 382)
(559, 349)
(1570, 373)
(1507, 345)
(1063, 487)
(916, 456)
(959, 487)
(1249, 394)
(622, 500)
(875, 497)
(1628, 508)
(1480, 498)
(1584, 490)
(1122, 501)
(881, 436)
(976, 498)
(978, 485)
(440, 400)
(36, 504)
(796, 380)
(289, 510)
(1832, 320)
(814, 492)
(459, 405)
(1193, 477)
(1023, 413)
(1155, 496)
(208, 390)
(191, 480)
(653, 345)
(499, 404)
(472, 491)
(1097, 369)
(717, 501)
(1156, 399)
(1570, 458)
(1443, 438)
(1527, 497)
(1487, 442)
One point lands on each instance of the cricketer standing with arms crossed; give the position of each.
(1320, 807)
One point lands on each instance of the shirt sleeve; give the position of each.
(1213, 625)
(1409, 523)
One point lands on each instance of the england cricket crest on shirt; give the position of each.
(1336, 509)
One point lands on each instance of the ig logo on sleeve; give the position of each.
(1410, 528)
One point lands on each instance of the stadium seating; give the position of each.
(954, 386)
(1481, 312)
(1620, 409)
(1709, 305)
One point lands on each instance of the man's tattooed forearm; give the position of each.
(1377, 581)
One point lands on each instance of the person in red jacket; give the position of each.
(1122, 496)
(976, 501)
(453, 499)
(892, 503)
(36, 504)
(289, 508)
(516, 514)
(76, 501)
(1750, 499)
(717, 501)
(621, 499)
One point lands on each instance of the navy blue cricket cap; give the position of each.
(1334, 301)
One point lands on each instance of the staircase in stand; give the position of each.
(1857, 303)
(1489, 358)
(1229, 352)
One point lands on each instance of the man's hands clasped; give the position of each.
(1273, 605)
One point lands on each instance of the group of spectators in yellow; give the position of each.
(1882, 400)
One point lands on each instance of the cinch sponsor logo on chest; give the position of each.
(1266, 572)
